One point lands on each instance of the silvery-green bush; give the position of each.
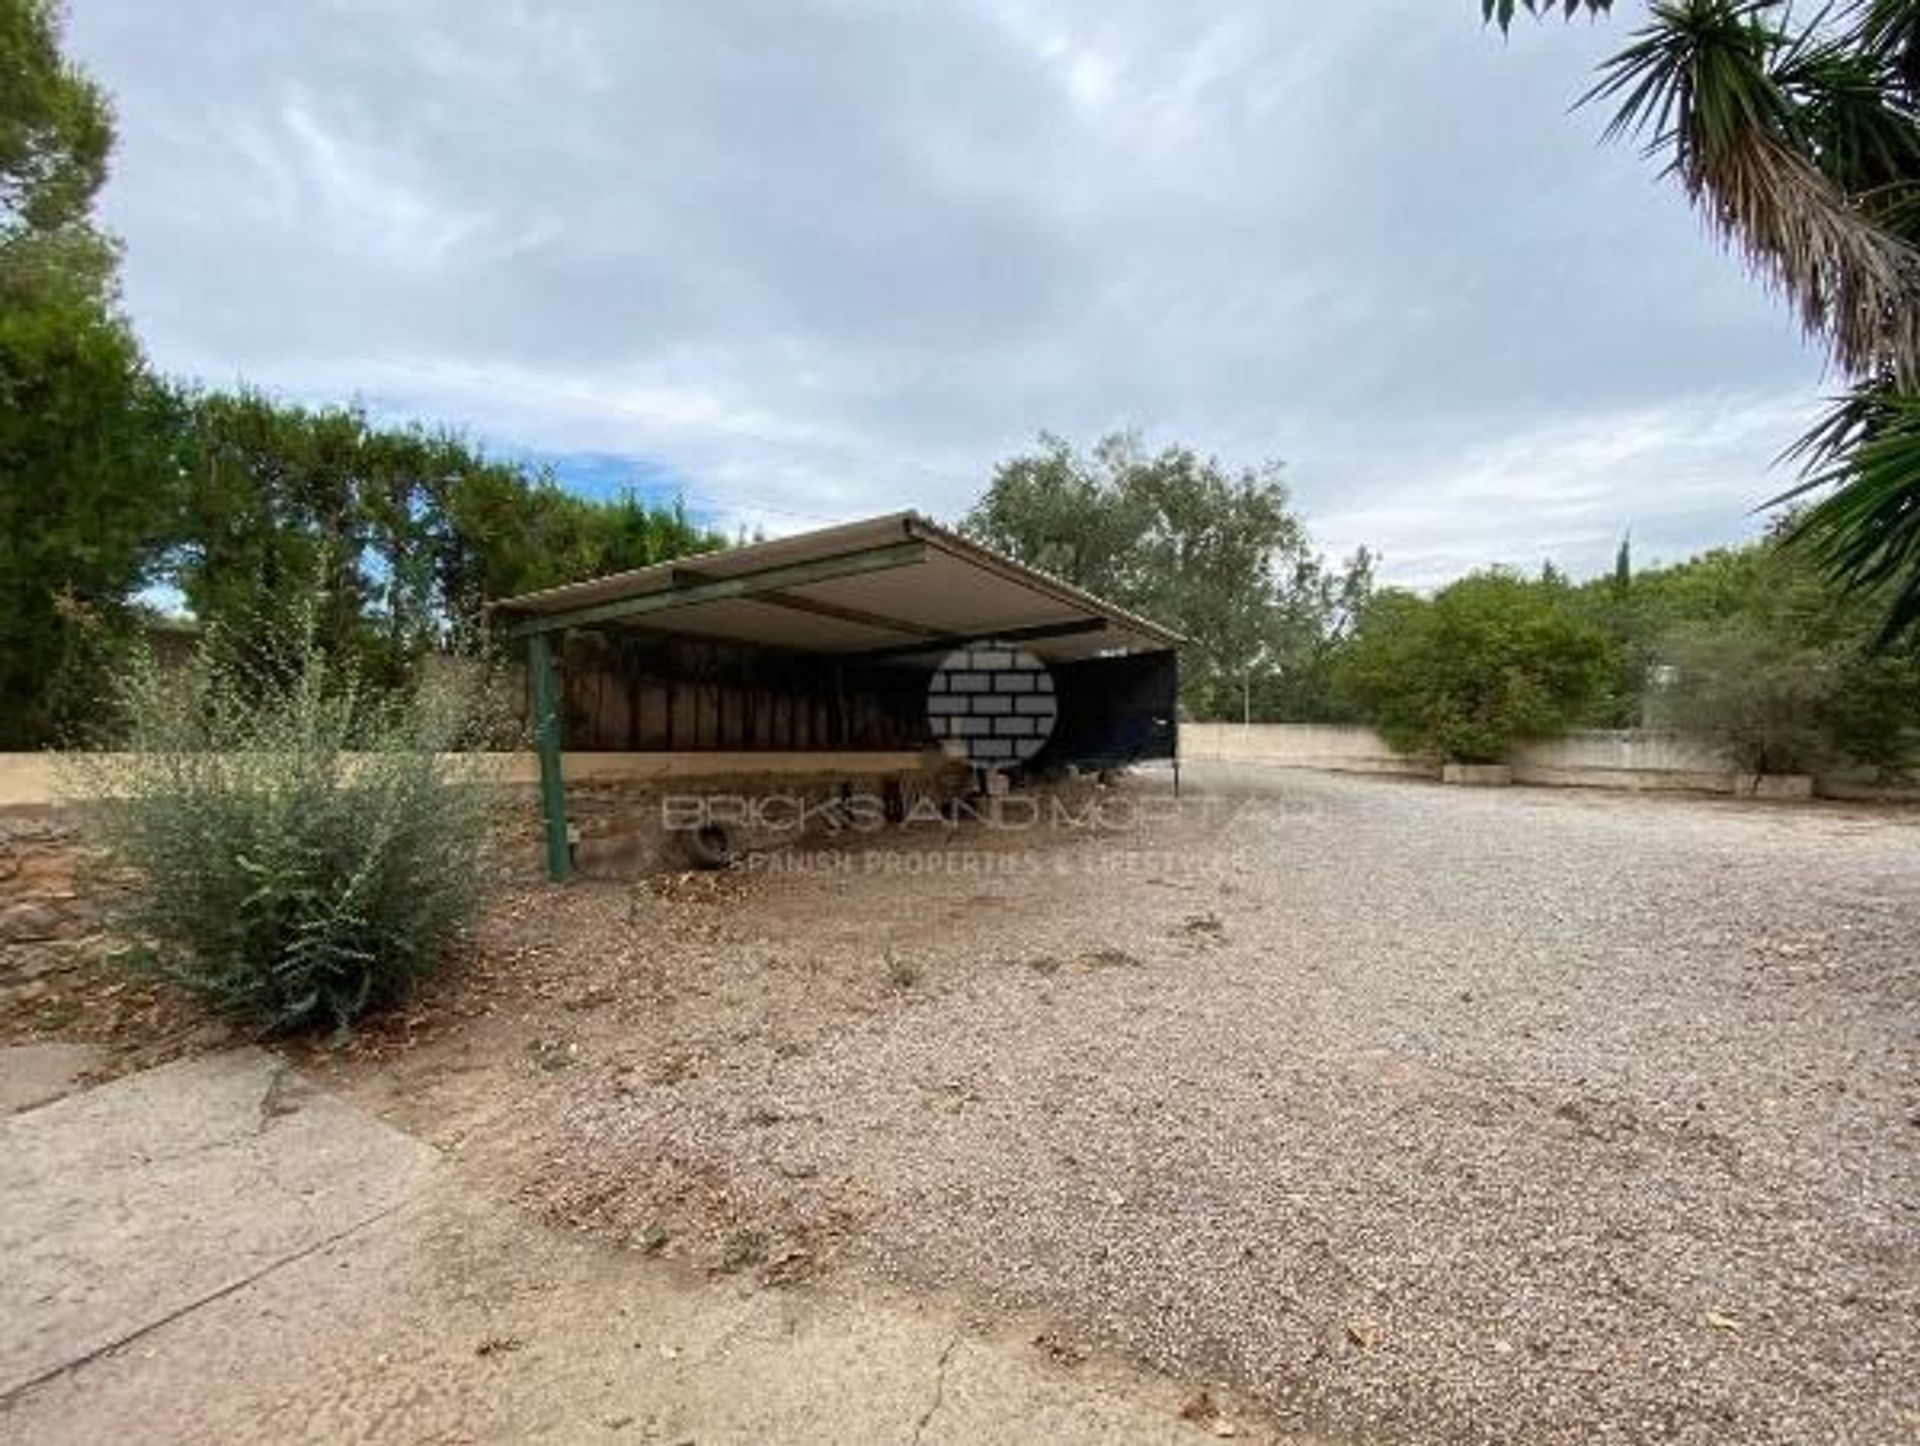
(298, 849)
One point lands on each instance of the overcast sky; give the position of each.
(808, 261)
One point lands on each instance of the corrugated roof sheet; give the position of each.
(955, 588)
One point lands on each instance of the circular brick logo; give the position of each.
(995, 701)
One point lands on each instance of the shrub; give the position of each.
(300, 850)
(1873, 715)
(1776, 702)
(1750, 692)
(1489, 661)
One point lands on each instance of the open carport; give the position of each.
(826, 644)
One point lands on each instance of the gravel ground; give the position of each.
(1412, 1113)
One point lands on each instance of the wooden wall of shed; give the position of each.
(640, 693)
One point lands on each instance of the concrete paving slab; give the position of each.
(124, 1206)
(454, 1320)
(36, 1074)
(214, 1251)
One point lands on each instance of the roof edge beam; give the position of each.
(951, 641)
(958, 544)
(724, 589)
(835, 611)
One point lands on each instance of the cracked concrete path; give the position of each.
(127, 1205)
(214, 1250)
(32, 1075)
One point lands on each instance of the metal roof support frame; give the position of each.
(547, 727)
(772, 579)
(947, 642)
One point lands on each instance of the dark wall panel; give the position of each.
(661, 693)
(1115, 710)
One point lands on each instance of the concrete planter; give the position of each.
(1773, 785)
(1477, 775)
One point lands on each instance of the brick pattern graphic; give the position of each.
(995, 701)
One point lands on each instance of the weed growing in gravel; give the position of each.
(903, 973)
(1207, 927)
(551, 1055)
(743, 1250)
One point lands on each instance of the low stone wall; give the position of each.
(631, 817)
(616, 802)
(36, 779)
(50, 917)
(53, 906)
(1632, 759)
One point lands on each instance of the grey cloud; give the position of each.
(827, 258)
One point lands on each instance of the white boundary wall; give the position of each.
(1627, 758)
(1334, 747)
(1592, 758)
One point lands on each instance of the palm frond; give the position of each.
(1501, 12)
(1891, 30)
(1709, 84)
(1866, 532)
(1851, 117)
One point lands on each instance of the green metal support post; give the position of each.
(546, 738)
